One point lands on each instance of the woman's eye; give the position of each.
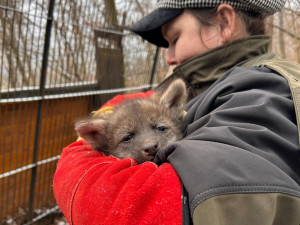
(127, 137)
(174, 41)
(161, 128)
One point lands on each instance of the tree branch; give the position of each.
(287, 32)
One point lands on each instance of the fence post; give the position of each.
(40, 105)
(109, 61)
(154, 67)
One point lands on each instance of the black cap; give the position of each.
(149, 27)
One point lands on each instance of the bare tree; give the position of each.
(72, 46)
(285, 26)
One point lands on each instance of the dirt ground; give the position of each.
(21, 219)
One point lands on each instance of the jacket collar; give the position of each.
(202, 70)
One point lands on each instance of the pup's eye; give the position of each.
(161, 128)
(127, 137)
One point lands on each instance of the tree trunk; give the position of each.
(281, 36)
(109, 55)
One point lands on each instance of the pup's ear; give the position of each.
(175, 96)
(93, 131)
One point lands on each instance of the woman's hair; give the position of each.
(254, 22)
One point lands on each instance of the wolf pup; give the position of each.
(138, 128)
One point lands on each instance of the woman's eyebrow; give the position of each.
(166, 29)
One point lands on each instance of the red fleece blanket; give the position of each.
(91, 188)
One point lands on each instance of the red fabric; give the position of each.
(120, 98)
(91, 188)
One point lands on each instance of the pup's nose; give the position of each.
(150, 149)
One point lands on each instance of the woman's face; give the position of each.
(188, 38)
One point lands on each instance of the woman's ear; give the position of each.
(227, 18)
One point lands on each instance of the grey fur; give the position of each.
(138, 128)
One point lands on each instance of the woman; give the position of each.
(239, 160)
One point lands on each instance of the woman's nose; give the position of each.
(170, 58)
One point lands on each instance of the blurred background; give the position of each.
(62, 59)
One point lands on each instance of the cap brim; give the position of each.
(149, 27)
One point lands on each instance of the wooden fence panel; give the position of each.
(17, 124)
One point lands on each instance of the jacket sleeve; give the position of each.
(91, 188)
(239, 161)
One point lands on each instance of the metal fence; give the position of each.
(59, 60)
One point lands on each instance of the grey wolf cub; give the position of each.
(138, 128)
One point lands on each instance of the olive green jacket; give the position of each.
(239, 161)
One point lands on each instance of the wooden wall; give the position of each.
(17, 132)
